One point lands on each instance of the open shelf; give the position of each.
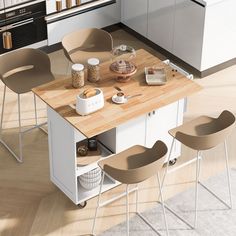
(89, 162)
(84, 194)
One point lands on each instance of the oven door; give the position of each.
(25, 32)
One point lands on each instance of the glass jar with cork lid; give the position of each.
(93, 70)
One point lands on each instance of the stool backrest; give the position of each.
(85, 39)
(216, 133)
(22, 59)
(141, 165)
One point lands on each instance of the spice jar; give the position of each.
(77, 73)
(93, 70)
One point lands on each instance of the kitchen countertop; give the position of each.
(60, 95)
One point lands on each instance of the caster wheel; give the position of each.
(82, 205)
(172, 162)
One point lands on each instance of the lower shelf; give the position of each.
(84, 194)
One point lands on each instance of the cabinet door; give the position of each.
(161, 22)
(134, 15)
(188, 33)
(159, 122)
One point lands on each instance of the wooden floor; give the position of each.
(31, 205)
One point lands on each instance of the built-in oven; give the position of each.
(26, 24)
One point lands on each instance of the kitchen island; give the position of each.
(142, 120)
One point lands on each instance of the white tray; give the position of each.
(159, 78)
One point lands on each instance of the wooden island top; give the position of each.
(61, 96)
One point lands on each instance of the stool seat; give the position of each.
(204, 132)
(23, 81)
(135, 164)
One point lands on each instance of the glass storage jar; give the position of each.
(93, 70)
(77, 73)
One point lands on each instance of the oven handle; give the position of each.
(17, 24)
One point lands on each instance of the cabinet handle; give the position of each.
(198, 3)
(149, 114)
(154, 112)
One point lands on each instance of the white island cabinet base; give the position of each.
(144, 130)
(63, 165)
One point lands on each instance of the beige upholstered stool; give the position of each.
(83, 44)
(201, 134)
(133, 166)
(20, 71)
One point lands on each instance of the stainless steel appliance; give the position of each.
(26, 24)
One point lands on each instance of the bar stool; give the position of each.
(20, 71)
(133, 166)
(203, 133)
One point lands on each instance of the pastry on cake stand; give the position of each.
(122, 67)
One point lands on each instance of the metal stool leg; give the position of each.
(196, 187)
(20, 132)
(35, 111)
(127, 210)
(98, 203)
(136, 199)
(167, 165)
(68, 68)
(3, 106)
(228, 174)
(162, 204)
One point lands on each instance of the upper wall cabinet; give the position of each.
(58, 25)
(134, 15)
(161, 22)
(188, 32)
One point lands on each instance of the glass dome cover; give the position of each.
(122, 64)
(123, 52)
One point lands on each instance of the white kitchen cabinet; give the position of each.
(134, 15)
(146, 130)
(219, 43)
(126, 135)
(161, 22)
(160, 121)
(64, 168)
(188, 32)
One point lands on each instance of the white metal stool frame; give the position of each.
(126, 193)
(197, 182)
(20, 157)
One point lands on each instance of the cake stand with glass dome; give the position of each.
(122, 66)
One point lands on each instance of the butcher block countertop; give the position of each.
(61, 96)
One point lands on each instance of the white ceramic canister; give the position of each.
(77, 73)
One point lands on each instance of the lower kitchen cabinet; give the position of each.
(160, 121)
(188, 32)
(146, 130)
(66, 166)
(161, 22)
(134, 15)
